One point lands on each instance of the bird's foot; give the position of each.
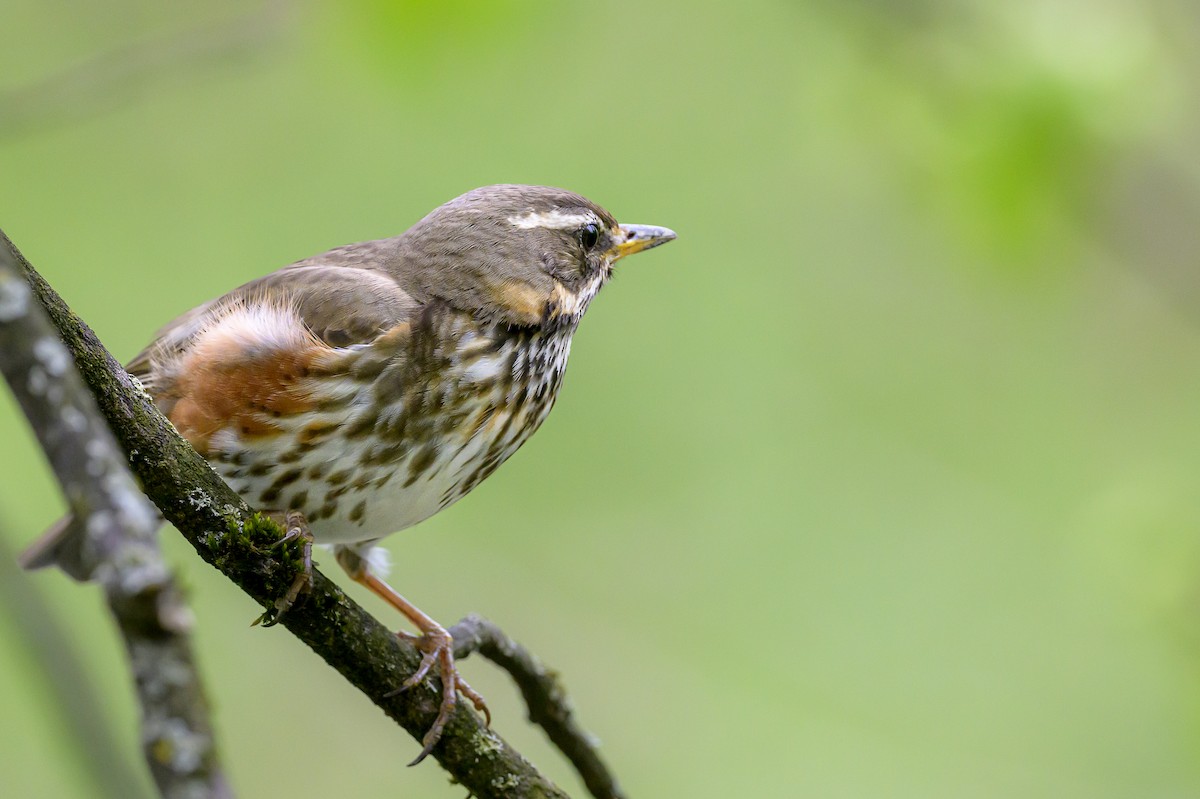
(295, 527)
(438, 648)
(434, 642)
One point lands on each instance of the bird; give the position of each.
(358, 392)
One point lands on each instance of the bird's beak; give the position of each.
(635, 238)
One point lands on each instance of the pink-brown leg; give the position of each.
(435, 643)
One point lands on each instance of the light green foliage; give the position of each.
(880, 481)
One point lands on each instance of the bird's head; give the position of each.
(523, 255)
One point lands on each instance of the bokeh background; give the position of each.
(880, 481)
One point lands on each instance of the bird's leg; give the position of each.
(434, 642)
(295, 526)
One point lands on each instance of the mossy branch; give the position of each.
(230, 536)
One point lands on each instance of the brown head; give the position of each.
(523, 255)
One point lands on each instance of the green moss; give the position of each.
(257, 531)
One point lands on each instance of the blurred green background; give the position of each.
(881, 481)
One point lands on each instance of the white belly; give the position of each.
(363, 488)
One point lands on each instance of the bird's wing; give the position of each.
(262, 353)
(341, 306)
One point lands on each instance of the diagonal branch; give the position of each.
(544, 696)
(228, 535)
(77, 705)
(115, 544)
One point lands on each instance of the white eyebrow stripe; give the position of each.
(554, 220)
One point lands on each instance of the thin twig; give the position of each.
(225, 533)
(545, 697)
(115, 544)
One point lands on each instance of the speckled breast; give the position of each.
(403, 428)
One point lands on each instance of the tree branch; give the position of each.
(77, 705)
(238, 542)
(115, 544)
(545, 697)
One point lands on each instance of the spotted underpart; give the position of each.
(371, 439)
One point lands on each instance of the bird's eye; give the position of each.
(588, 236)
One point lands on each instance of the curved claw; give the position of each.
(418, 675)
(439, 648)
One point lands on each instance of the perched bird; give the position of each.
(358, 392)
